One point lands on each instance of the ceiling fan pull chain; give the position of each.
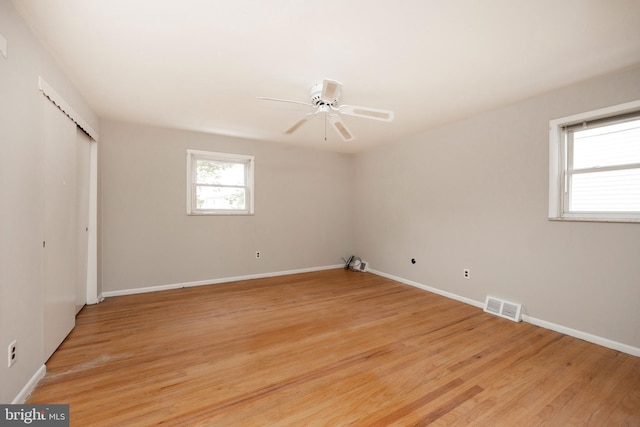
(325, 127)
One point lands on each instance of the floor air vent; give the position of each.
(506, 309)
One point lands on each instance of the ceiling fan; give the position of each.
(324, 97)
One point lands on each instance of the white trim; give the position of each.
(108, 294)
(556, 160)
(92, 255)
(600, 113)
(3, 46)
(30, 386)
(556, 163)
(50, 93)
(430, 289)
(249, 163)
(604, 342)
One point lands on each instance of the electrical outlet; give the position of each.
(11, 354)
(466, 273)
(257, 254)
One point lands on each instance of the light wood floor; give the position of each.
(330, 348)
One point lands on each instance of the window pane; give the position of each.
(219, 173)
(220, 198)
(611, 191)
(607, 145)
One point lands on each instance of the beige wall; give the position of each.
(21, 201)
(474, 194)
(302, 210)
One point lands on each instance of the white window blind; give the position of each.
(594, 169)
(603, 170)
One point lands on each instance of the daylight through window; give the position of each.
(597, 168)
(219, 183)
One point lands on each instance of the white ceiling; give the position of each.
(199, 64)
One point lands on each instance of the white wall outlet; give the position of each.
(466, 273)
(11, 354)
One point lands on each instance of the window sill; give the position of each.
(220, 213)
(582, 219)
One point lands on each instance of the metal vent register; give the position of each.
(506, 309)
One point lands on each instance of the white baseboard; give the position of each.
(30, 386)
(604, 342)
(430, 289)
(107, 294)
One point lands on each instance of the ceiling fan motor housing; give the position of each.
(316, 96)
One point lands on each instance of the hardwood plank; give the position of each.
(328, 348)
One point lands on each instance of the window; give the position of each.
(219, 183)
(595, 165)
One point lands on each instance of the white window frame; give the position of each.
(558, 209)
(248, 161)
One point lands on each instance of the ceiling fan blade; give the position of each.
(341, 128)
(264, 98)
(367, 112)
(331, 90)
(300, 122)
